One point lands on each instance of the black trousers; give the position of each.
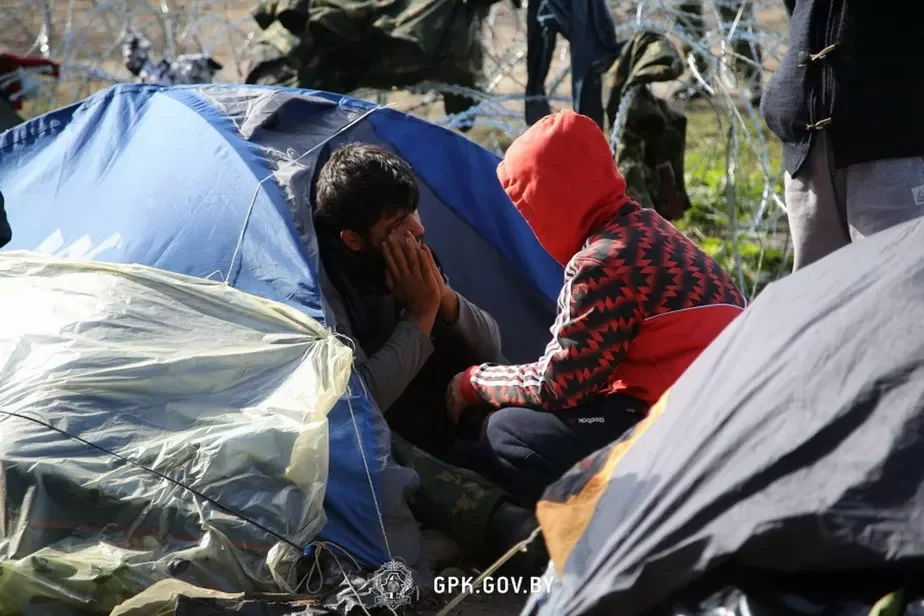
(524, 450)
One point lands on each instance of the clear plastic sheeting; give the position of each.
(175, 598)
(154, 426)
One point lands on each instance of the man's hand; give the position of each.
(455, 403)
(413, 277)
(449, 301)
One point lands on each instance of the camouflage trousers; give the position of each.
(455, 501)
(650, 155)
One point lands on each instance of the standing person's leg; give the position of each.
(748, 61)
(884, 193)
(751, 50)
(540, 49)
(690, 18)
(532, 449)
(817, 220)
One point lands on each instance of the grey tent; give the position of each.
(789, 458)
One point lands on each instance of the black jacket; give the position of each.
(6, 234)
(854, 69)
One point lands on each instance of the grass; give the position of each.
(758, 256)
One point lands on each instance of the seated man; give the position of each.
(411, 334)
(639, 304)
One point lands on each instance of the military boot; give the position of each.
(509, 525)
(471, 510)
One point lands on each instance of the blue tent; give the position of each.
(215, 181)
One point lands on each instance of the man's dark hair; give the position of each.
(362, 183)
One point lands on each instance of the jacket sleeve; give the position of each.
(389, 371)
(598, 316)
(478, 330)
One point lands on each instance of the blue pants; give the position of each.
(524, 451)
(588, 26)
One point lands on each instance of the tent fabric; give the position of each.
(791, 446)
(154, 426)
(214, 181)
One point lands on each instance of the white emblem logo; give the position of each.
(393, 585)
(918, 194)
(591, 420)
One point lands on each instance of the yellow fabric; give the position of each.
(893, 604)
(563, 524)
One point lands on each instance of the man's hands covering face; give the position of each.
(412, 276)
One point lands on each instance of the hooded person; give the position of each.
(640, 302)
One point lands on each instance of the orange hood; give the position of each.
(561, 177)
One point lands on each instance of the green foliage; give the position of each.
(759, 246)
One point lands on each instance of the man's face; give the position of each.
(397, 224)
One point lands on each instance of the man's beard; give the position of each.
(364, 269)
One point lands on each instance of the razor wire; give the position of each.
(85, 37)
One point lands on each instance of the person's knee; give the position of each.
(501, 432)
(525, 438)
(519, 465)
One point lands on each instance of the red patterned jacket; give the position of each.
(640, 300)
